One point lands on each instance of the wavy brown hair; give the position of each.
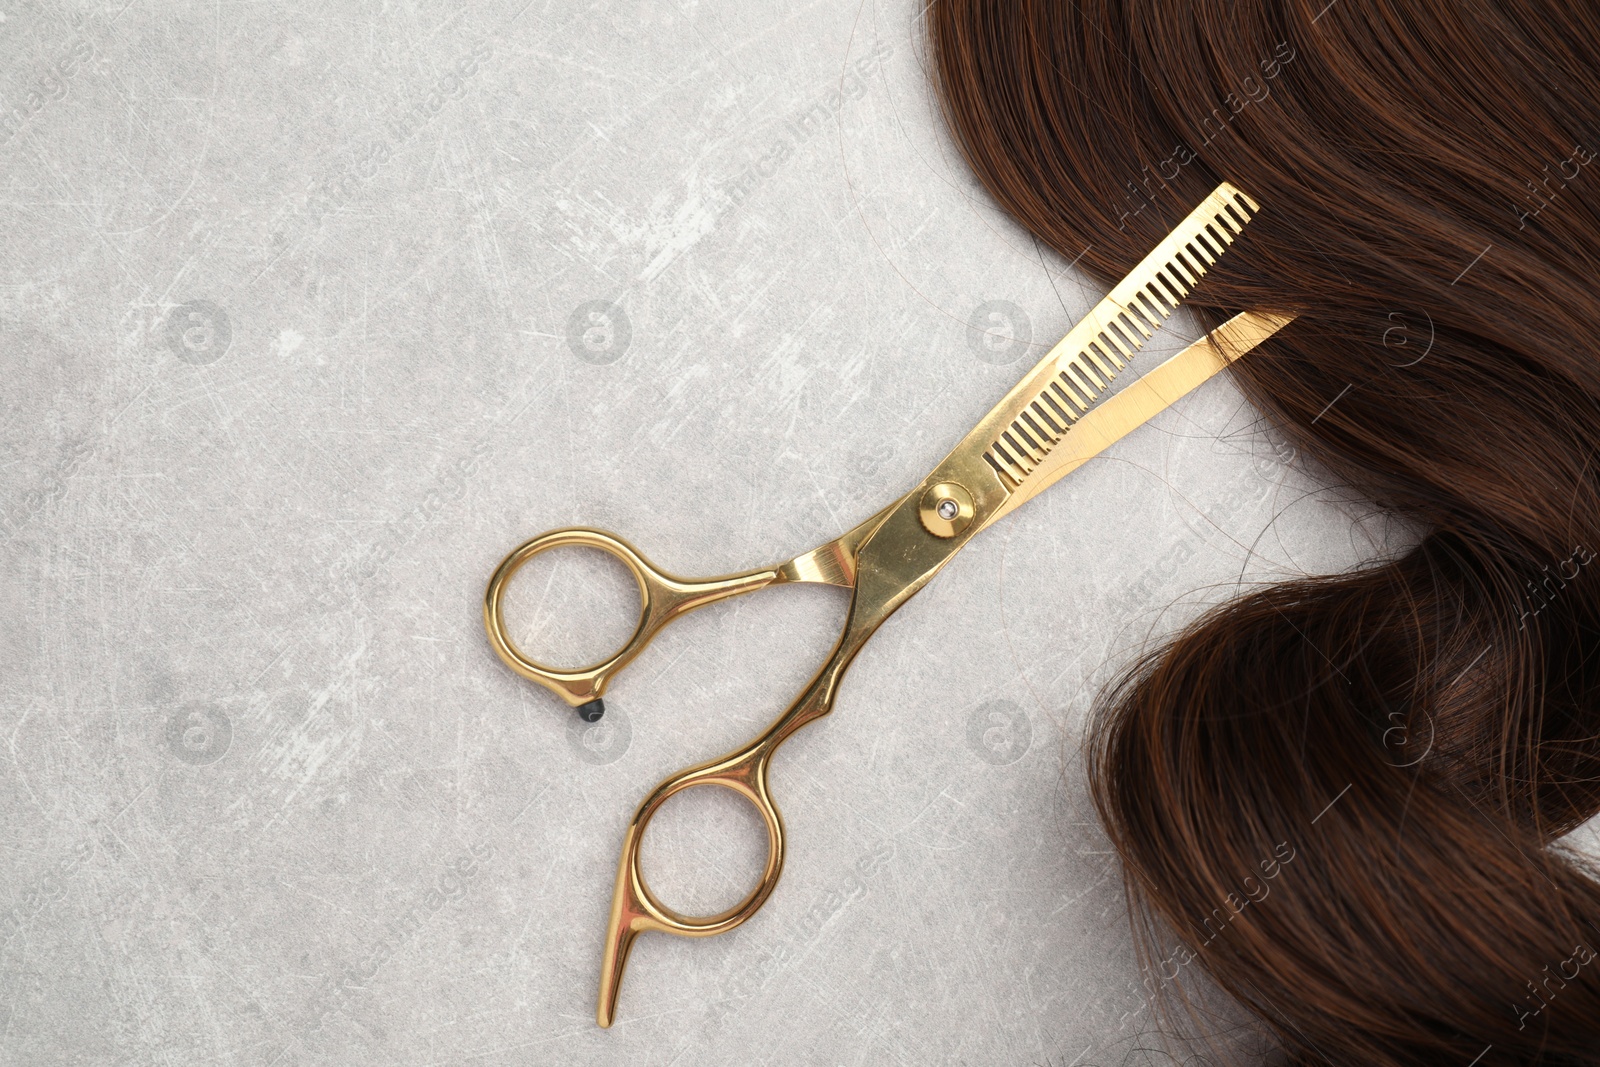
(1416, 733)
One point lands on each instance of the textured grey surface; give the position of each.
(309, 313)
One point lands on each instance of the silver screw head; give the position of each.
(948, 509)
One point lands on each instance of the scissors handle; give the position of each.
(893, 557)
(662, 598)
(634, 908)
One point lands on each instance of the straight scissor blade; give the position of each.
(1141, 400)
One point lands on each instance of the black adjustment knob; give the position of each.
(592, 711)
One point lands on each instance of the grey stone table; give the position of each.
(310, 313)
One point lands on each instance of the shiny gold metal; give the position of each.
(1049, 424)
(946, 509)
(662, 598)
(1144, 398)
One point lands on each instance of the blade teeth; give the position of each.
(1081, 400)
(1124, 344)
(1008, 479)
(1011, 461)
(1066, 419)
(1178, 269)
(1072, 407)
(1088, 387)
(1038, 407)
(1129, 317)
(1024, 448)
(1109, 363)
(1151, 313)
(1110, 339)
(1133, 328)
(1175, 284)
(1048, 440)
(1090, 373)
(1101, 358)
(1079, 382)
(1152, 292)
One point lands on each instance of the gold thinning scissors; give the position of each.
(1048, 425)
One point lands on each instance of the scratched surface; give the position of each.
(310, 312)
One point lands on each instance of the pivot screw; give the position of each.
(946, 509)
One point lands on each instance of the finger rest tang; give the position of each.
(635, 909)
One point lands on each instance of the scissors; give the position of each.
(1051, 423)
